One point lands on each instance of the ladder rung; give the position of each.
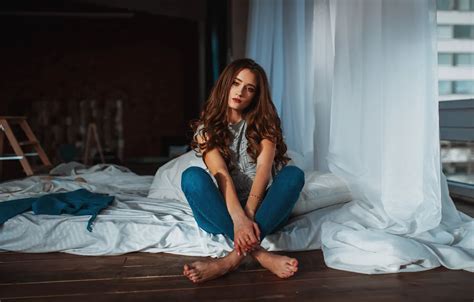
(15, 157)
(28, 143)
(29, 154)
(5, 126)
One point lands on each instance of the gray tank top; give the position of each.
(245, 169)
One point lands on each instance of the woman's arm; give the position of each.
(246, 233)
(262, 177)
(218, 168)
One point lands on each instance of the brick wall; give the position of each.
(66, 72)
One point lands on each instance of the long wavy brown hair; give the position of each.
(261, 116)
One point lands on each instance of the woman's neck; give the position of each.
(234, 116)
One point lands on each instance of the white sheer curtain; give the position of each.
(283, 46)
(357, 93)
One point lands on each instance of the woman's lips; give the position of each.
(237, 100)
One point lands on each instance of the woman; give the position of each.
(240, 139)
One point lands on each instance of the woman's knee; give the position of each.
(193, 178)
(293, 177)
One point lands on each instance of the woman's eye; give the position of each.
(235, 83)
(251, 90)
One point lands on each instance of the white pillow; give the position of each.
(167, 181)
(320, 189)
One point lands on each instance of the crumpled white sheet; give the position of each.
(136, 223)
(355, 238)
(132, 223)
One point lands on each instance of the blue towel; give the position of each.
(79, 202)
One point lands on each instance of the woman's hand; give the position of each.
(246, 235)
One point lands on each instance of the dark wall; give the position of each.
(64, 72)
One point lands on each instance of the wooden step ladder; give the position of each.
(5, 130)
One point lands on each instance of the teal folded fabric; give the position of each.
(79, 202)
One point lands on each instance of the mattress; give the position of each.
(133, 222)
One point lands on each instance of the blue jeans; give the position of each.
(210, 210)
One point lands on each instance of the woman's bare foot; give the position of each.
(201, 271)
(282, 266)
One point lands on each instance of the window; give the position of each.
(445, 59)
(457, 158)
(465, 5)
(456, 120)
(456, 31)
(462, 5)
(461, 59)
(445, 87)
(445, 31)
(463, 32)
(464, 87)
(445, 4)
(455, 59)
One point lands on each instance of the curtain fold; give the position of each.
(357, 94)
(384, 122)
(283, 46)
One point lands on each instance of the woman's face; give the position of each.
(242, 90)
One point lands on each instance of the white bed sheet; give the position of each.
(133, 222)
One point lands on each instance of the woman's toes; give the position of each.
(288, 271)
(293, 269)
(188, 268)
(191, 274)
(196, 279)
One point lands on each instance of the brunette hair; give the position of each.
(261, 116)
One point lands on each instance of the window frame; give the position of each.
(458, 55)
(447, 82)
(457, 87)
(459, 129)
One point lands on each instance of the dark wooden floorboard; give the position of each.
(157, 277)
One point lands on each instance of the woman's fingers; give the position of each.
(246, 244)
(247, 238)
(241, 244)
(246, 247)
(242, 248)
(239, 249)
(252, 239)
(249, 247)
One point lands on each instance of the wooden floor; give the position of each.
(157, 277)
